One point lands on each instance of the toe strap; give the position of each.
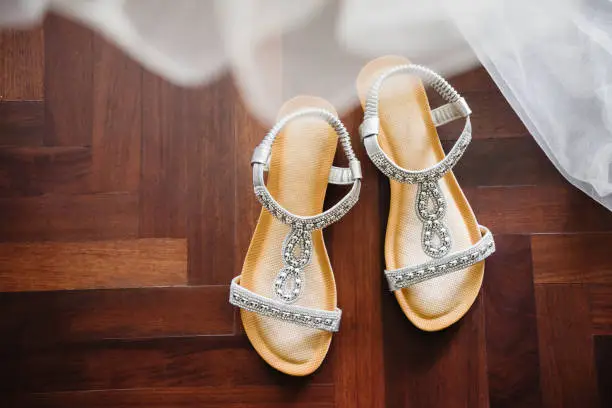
(304, 316)
(411, 275)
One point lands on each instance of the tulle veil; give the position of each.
(552, 59)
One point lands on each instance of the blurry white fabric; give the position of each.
(552, 59)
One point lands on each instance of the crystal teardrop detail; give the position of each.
(430, 202)
(436, 240)
(297, 248)
(296, 253)
(289, 284)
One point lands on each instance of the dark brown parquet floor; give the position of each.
(126, 207)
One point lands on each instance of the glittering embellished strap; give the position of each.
(433, 173)
(296, 250)
(456, 107)
(411, 275)
(338, 175)
(308, 223)
(318, 319)
(430, 202)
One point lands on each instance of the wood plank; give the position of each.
(288, 396)
(96, 264)
(492, 116)
(187, 185)
(567, 372)
(600, 299)
(65, 218)
(21, 123)
(442, 369)
(117, 119)
(166, 153)
(212, 190)
(495, 162)
(22, 64)
(77, 316)
(202, 361)
(249, 132)
(511, 325)
(572, 258)
(541, 209)
(32, 171)
(476, 79)
(68, 83)
(603, 362)
(358, 360)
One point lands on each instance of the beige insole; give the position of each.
(301, 159)
(409, 137)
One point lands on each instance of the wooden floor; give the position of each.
(126, 207)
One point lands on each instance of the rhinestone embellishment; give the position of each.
(289, 282)
(412, 275)
(434, 173)
(307, 223)
(297, 247)
(430, 203)
(431, 206)
(297, 239)
(318, 319)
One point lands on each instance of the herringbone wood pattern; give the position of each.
(126, 207)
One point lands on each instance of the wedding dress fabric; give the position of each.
(552, 59)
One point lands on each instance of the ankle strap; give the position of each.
(338, 175)
(457, 107)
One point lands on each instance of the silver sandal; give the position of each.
(435, 184)
(284, 298)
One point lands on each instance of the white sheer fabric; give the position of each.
(552, 59)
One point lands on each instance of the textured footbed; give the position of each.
(301, 159)
(409, 137)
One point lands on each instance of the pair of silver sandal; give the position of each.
(430, 207)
